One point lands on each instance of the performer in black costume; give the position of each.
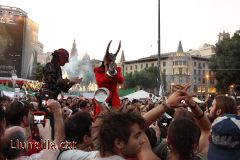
(54, 84)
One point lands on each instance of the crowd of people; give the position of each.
(175, 127)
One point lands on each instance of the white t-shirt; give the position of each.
(77, 155)
(115, 157)
(39, 156)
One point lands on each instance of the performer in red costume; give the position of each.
(108, 75)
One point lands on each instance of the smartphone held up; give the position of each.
(39, 117)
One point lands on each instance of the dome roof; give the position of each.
(86, 57)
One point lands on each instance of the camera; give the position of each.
(38, 117)
(164, 120)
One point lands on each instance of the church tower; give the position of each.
(122, 59)
(74, 52)
(223, 35)
(180, 49)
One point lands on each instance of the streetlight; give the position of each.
(160, 78)
(207, 78)
(231, 89)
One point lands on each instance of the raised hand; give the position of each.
(184, 87)
(123, 106)
(54, 106)
(175, 99)
(76, 79)
(45, 132)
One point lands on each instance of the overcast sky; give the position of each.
(93, 23)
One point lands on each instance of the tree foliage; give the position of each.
(146, 79)
(39, 72)
(226, 62)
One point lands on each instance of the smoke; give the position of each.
(72, 68)
(80, 68)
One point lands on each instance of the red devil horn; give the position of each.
(107, 51)
(119, 47)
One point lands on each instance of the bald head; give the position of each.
(9, 139)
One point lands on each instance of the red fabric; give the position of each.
(34, 149)
(103, 80)
(96, 109)
(19, 82)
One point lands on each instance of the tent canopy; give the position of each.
(141, 94)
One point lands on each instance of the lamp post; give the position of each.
(160, 78)
(207, 79)
(231, 90)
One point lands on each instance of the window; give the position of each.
(164, 64)
(203, 81)
(199, 80)
(195, 88)
(203, 72)
(141, 66)
(195, 71)
(152, 64)
(199, 65)
(176, 62)
(173, 63)
(126, 68)
(199, 72)
(180, 62)
(136, 67)
(180, 79)
(180, 70)
(195, 64)
(184, 63)
(164, 71)
(203, 65)
(212, 81)
(173, 71)
(146, 65)
(130, 67)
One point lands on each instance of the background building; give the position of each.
(18, 43)
(206, 50)
(179, 68)
(44, 58)
(223, 35)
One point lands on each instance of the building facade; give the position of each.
(179, 68)
(44, 58)
(18, 43)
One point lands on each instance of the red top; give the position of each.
(36, 147)
(104, 80)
